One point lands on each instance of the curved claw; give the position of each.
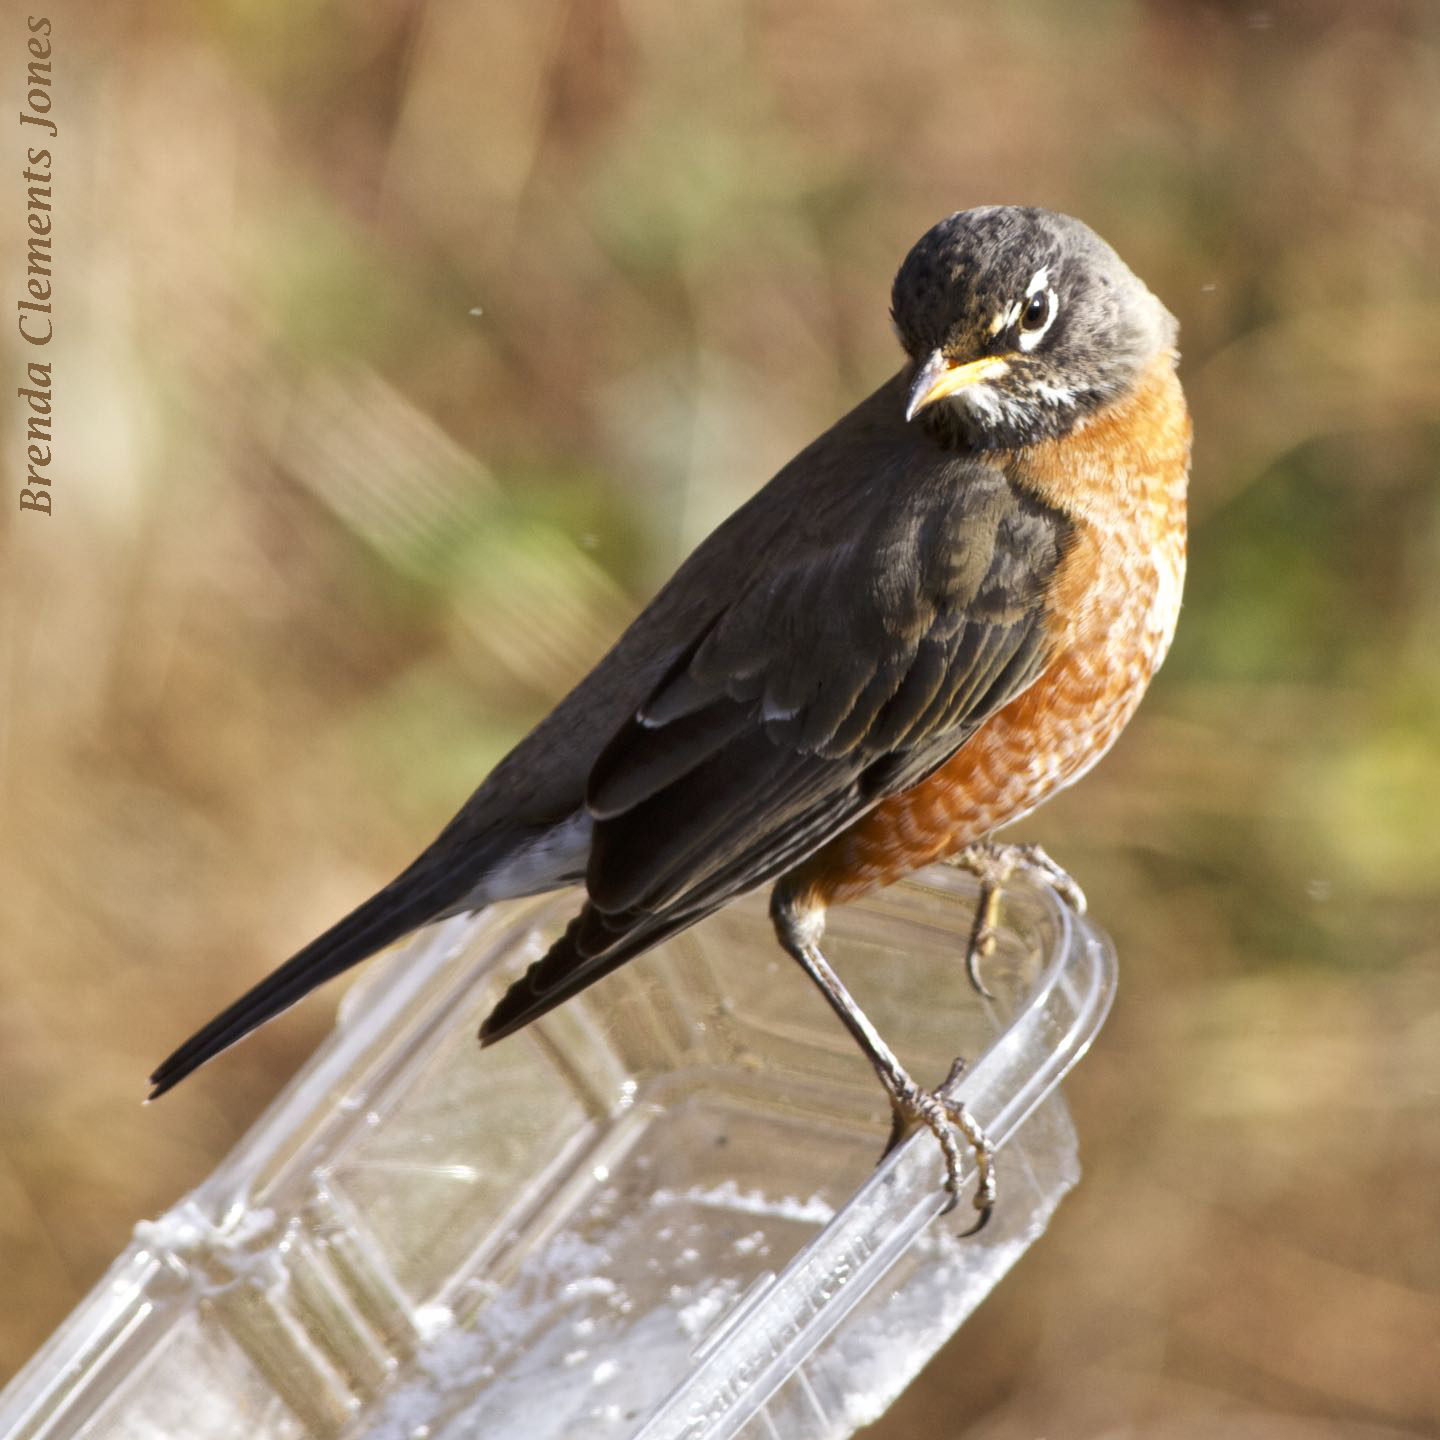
(985, 1187)
(983, 936)
(986, 1209)
(993, 865)
(942, 1118)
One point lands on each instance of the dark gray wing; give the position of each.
(834, 680)
(840, 634)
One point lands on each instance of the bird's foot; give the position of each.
(914, 1107)
(798, 930)
(994, 865)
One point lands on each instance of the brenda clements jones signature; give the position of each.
(33, 311)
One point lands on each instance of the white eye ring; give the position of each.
(1033, 332)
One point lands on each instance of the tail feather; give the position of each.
(570, 966)
(414, 898)
(596, 942)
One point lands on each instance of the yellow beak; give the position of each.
(940, 376)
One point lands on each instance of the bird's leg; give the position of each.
(799, 932)
(994, 865)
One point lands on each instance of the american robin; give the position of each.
(938, 614)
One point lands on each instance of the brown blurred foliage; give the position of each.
(325, 543)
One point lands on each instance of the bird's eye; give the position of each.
(1037, 312)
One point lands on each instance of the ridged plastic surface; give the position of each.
(655, 1214)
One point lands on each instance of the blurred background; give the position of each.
(326, 543)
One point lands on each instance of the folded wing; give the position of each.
(858, 668)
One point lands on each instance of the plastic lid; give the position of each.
(656, 1213)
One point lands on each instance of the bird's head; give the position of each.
(1020, 323)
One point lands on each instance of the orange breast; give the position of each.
(1112, 608)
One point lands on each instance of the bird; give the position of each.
(938, 614)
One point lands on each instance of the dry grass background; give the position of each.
(325, 544)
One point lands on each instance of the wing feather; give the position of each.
(848, 676)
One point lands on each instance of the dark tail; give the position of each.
(408, 902)
(580, 957)
(595, 943)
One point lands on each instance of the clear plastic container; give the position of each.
(656, 1213)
